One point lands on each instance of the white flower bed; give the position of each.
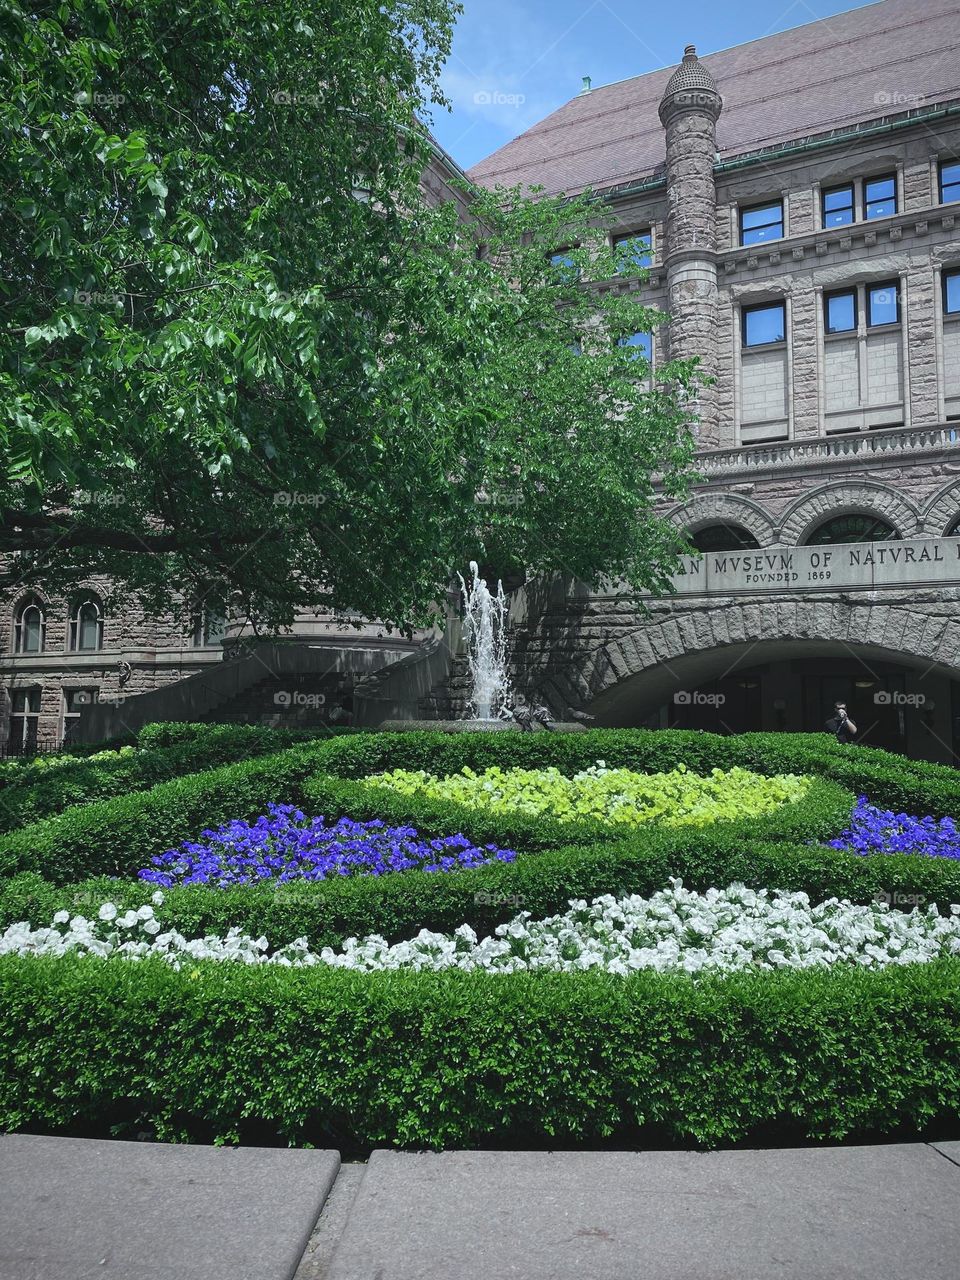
(675, 929)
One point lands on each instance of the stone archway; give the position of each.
(943, 510)
(723, 508)
(839, 498)
(664, 646)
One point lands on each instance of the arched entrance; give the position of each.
(781, 665)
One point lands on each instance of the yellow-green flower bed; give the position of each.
(616, 796)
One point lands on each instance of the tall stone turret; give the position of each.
(689, 110)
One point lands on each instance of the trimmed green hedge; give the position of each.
(175, 733)
(43, 790)
(455, 1060)
(118, 836)
(916, 786)
(819, 814)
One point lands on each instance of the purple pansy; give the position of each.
(875, 830)
(285, 845)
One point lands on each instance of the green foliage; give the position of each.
(231, 738)
(242, 357)
(615, 797)
(120, 835)
(44, 789)
(915, 786)
(454, 1060)
(769, 852)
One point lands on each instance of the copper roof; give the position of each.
(882, 59)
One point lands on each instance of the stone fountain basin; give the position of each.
(474, 726)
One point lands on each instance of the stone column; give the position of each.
(689, 111)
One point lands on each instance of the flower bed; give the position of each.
(675, 929)
(876, 830)
(614, 796)
(351, 1004)
(285, 845)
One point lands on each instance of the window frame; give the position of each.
(573, 267)
(829, 191)
(851, 516)
(880, 177)
(828, 297)
(953, 273)
(27, 603)
(203, 620)
(869, 290)
(75, 628)
(745, 312)
(621, 237)
(948, 164)
(742, 212)
(747, 543)
(23, 735)
(624, 341)
(69, 715)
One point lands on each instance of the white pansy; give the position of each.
(676, 929)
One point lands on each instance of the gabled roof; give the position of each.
(879, 60)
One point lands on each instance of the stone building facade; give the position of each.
(800, 199)
(797, 201)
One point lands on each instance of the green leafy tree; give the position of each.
(242, 355)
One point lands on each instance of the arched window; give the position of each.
(852, 527)
(954, 530)
(86, 624)
(723, 537)
(31, 626)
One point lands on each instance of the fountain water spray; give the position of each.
(485, 632)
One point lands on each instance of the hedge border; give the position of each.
(106, 832)
(118, 837)
(894, 780)
(226, 1052)
(46, 790)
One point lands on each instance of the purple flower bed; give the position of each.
(875, 830)
(285, 845)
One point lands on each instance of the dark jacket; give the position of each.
(840, 729)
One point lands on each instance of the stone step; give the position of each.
(814, 1213)
(76, 1208)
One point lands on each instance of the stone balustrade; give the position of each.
(822, 450)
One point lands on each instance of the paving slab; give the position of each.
(75, 1208)
(949, 1149)
(825, 1213)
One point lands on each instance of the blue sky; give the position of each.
(515, 61)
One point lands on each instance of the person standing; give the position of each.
(840, 724)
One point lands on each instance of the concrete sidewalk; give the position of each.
(75, 1208)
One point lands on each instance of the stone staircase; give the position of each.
(294, 701)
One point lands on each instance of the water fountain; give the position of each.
(491, 703)
(485, 635)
